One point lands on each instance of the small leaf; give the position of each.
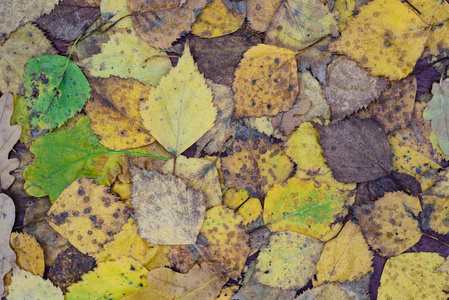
(356, 150)
(167, 212)
(171, 112)
(29, 254)
(7, 255)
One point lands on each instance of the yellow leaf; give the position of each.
(172, 110)
(314, 93)
(127, 56)
(261, 12)
(167, 212)
(25, 285)
(114, 113)
(328, 291)
(266, 82)
(300, 23)
(305, 150)
(115, 10)
(347, 257)
(203, 282)
(87, 215)
(385, 37)
(249, 208)
(413, 276)
(304, 206)
(435, 202)
(256, 164)
(391, 224)
(110, 280)
(288, 261)
(345, 9)
(217, 20)
(201, 174)
(29, 254)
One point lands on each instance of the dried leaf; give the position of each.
(7, 255)
(261, 12)
(434, 203)
(287, 122)
(29, 254)
(25, 285)
(356, 150)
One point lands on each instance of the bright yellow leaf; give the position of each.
(172, 111)
(345, 9)
(413, 276)
(288, 261)
(347, 257)
(249, 208)
(25, 285)
(385, 37)
(266, 82)
(29, 254)
(87, 215)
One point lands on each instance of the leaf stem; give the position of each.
(436, 239)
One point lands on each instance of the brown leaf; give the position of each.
(287, 122)
(7, 255)
(356, 150)
(350, 88)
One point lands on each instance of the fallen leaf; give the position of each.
(266, 82)
(287, 122)
(69, 19)
(25, 285)
(115, 10)
(434, 202)
(260, 13)
(298, 24)
(182, 96)
(200, 174)
(111, 280)
(310, 89)
(259, 291)
(56, 89)
(394, 108)
(256, 163)
(87, 215)
(327, 291)
(114, 111)
(240, 201)
(289, 260)
(217, 58)
(166, 211)
(413, 276)
(390, 225)
(70, 266)
(315, 60)
(23, 44)
(305, 207)
(16, 13)
(125, 55)
(29, 254)
(201, 282)
(160, 23)
(350, 88)
(7, 255)
(9, 135)
(386, 37)
(216, 20)
(356, 150)
(347, 257)
(345, 10)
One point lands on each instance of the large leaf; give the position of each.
(56, 90)
(62, 157)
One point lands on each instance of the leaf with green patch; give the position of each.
(64, 156)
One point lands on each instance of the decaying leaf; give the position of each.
(310, 89)
(114, 111)
(394, 108)
(347, 257)
(166, 210)
(69, 268)
(298, 24)
(23, 44)
(87, 215)
(327, 291)
(356, 150)
(9, 135)
(390, 225)
(386, 37)
(160, 23)
(261, 12)
(25, 285)
(111, 279)
(288, 261)
(29, 254)
(259, 291)
(256, 163)
(7, 255)
(434, 203)
(201, 282)
(266, 82)
(350, 88)
(413, 276)
(184, 97)
(287, 122)
(240, 201)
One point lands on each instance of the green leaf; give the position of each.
(56, 89)
(63, 157)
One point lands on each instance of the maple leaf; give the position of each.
(7, 255)
(8, 138)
